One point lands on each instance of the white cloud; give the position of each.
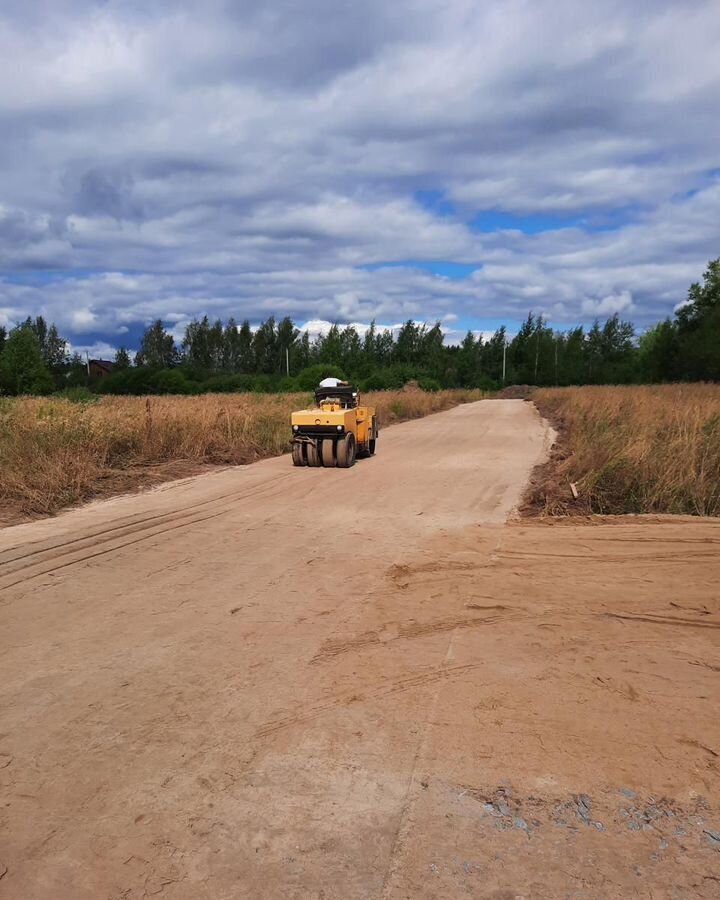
(608, 306)
(94, 350)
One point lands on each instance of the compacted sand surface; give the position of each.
(271, 682)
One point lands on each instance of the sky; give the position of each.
(339, 161)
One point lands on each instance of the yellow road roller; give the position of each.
(336, 431)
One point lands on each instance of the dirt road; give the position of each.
(282, 683)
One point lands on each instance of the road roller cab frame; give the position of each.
(336, 431)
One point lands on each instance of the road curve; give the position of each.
(187, 706)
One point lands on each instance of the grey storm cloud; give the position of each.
(108, 193)
(272, 157)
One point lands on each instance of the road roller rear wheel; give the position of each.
(328, 453)
(297, 455)
(371, 447)
(312, 454)
(346, 448)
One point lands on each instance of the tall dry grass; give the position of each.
(54, 452)
(652, 449)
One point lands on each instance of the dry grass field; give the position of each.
(56, 452)
(650, 449)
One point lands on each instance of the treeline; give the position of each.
(217, 356)
(688, 347)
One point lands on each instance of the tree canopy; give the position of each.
(22, 367)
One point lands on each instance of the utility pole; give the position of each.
(87, 362)
(556, 366)
(537, 353)
(287, 361)
(504, 353)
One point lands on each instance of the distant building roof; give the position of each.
(103, 364)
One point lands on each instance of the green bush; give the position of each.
(227, 384)
(309, 378)
(264, 384)
(485, 383)
(429, 384)
(375, 382)
(132, 381)
(288, 385)
(78, 395)
(171, 381)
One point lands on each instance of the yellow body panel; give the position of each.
(360, 421)
(327, 416)
(364, 421)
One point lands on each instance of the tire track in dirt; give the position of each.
(660, 620)
(394, 632)
(682, 554)
(62, 554)
(129, 521)
(302, 717)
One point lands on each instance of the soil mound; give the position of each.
(515, 392)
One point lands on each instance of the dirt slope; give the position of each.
(270, 682)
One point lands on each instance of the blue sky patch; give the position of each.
(45, 276)
(497, 220)
(445, 268)
(435, 202)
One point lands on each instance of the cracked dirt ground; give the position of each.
(279, 683)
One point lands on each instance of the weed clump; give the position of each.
(650, 449)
